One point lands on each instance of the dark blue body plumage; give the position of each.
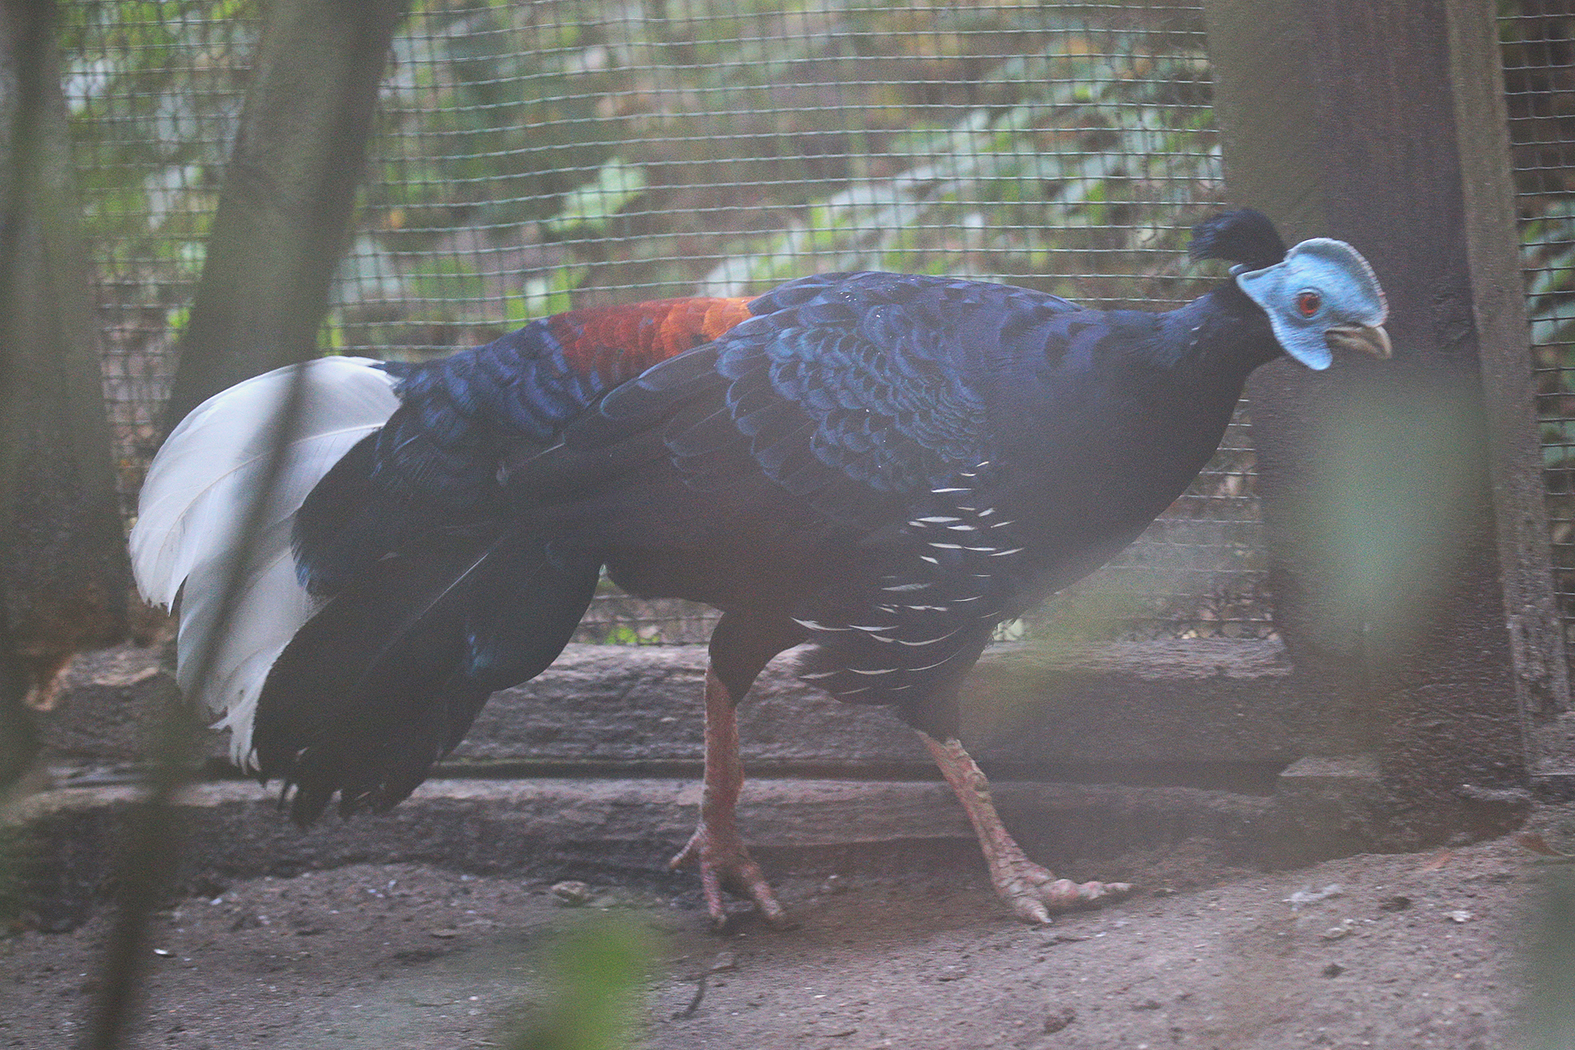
(947, 452)
(883, 465)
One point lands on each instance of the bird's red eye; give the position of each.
(1308, 302)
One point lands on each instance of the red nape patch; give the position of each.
(620, 342)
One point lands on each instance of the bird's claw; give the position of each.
(724, 863)
(1034, 893)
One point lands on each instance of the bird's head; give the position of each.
(1320, 295)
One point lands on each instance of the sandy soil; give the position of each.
(1423, 950)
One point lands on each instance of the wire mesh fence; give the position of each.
(566, 153)
(1539, 67)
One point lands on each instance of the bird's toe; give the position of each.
(1035, 894)
(725, 864)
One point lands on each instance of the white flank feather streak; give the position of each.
(189, 519)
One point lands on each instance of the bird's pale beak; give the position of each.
(1369, 339)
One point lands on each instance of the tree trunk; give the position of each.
(1403, 499)
(288, 194)
(62, 549)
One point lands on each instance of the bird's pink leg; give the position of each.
(1032, 891)
(716, 847)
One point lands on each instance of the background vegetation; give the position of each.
(534, 157)
(566, 153)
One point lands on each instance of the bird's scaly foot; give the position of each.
(724, 863)
(1034, 893)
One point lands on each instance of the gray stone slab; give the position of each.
(1155, 702)
(1028, 709)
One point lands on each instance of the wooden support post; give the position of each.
(1402, 499)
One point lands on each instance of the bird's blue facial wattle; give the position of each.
(1323, 294)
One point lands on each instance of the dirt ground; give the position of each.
(1420, 950)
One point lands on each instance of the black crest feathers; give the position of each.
(1241, 235)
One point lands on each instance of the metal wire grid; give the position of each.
(534, 157)
(1539, 68)
(641, 152)
(155, 93)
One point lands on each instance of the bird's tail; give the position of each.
(360, 690)
(192, 521)
(388, 677)
(389, 589)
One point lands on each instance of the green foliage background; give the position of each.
(534, 157)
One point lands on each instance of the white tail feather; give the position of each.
(270, 607)
(194, 495)
(189, 520)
